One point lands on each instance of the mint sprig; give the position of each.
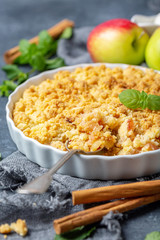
(153, 236)
(54, 63)
(78, 233)
(11, 70)
(134, 99)
(36, 56)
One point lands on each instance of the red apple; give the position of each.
(117, 41)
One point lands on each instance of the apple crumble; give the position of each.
(83, 107)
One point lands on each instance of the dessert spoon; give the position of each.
(40, 184)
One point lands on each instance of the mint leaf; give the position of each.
(15, 74)
(67, 33)
(143, 100)
(11, 70)
(6, 87)
(45, 42)
(133, 99)
(31, 55)
(4, 90)
(24, 48)
(153, 236)
(53, 49)
(79, 233)
(37, 61)
(22, 77)
(130, 98)
(10, 85)
(54, 63)
(26, 53)
(153, 102)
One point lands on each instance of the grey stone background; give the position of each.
(25, 18)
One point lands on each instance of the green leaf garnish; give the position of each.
(11, 70)
(22, 77)
(25, 48)
(10, 85)
(54, 63)
(79, 233)
(153, 236)
(6, 87)
(153, 102)
(37, 61)
(4, 90)
(67, 33)
(46, 43)
(34, 55)
(134, 99)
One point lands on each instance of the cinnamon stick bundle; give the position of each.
(116, 191)
(96, 213)
(55, 31)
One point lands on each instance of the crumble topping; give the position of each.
(83, 107)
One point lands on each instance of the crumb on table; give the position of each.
(5, 228)
(19, 227)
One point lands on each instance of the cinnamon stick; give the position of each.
(82, 214)
(116, 191)
(55, 31)
(95, 214)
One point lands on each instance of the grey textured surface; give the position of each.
(24, 19)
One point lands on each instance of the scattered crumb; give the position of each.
(5, 228)
(19, 227)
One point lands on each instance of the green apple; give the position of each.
(117, 41)
(152, 53)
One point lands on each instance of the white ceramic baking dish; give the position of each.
(89, 167)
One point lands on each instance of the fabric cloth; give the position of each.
(74, 50)
(39, 211)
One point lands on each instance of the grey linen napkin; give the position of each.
(74, 50)
(39, 211)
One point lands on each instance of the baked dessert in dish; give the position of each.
(83, 106)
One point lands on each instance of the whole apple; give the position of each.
(152, 53)
(117, 41)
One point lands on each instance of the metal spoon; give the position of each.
(40, 184)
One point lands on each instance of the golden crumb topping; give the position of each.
(83, 107)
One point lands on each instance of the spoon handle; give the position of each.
(60, 163)
(40, 184)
